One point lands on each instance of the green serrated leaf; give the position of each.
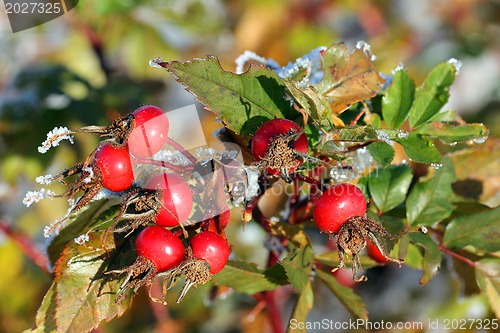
(298, 265)
(352, 133)
(247, 278)
(355, 133)
(430, 202)
(243, 102)
(397, 102)
(46, 315)
(85, 296)
(315, 105)
(488, 279)
(382, 153)
(452, 133)
(431, 261)
(420, 149)
(294, 233)
(352, 302)
(481, 230)
(409, 252)
(95, 213)
(304, 304)
(448, 116)
(432, 95)
(388, 187)
(348, 78)
(393, 224)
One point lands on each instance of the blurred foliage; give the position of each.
(91, 65)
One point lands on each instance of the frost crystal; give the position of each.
(383, 136)
(402, 134)
(398, 68)
(253, 183)
(244, 58)
(361, 163)
(312, 63)
(54, 137)
(455, 63)
(59, 223)
(229, 154)
(366, 48)
(173, 157)
(154, 63)
(88, 170)
(81, 240)
(106, 194)
(54, 227)
(44, 180)
(35, 196)
(205, 152)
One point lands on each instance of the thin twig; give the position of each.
(164, 164)
(182, 150)
(457, 256)
(273, 311)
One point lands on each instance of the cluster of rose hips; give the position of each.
(162, 206)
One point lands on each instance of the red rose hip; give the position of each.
(150, 131)
(336, 205)
(176, 197)
(276, 144)
(115, 166)
(161, 247)
(213, 248)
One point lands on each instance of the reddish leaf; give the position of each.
(349, 77)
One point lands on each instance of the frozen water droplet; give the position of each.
(452, 143)
(436, 165)
(383, 136)
(155, 63)
(480, 140)
(430, 143)
(402, 134)
(404, 162)
(455, 63)
(398, 68)
(342, 174)
(366, 48)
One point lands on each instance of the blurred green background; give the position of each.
(91, 65)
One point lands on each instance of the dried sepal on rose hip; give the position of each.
(207, 255)
(158, 250)
(145, 131)
(166, 200)
(341, 212)
(109, 166)
(279, 147)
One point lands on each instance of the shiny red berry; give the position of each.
(375, 253)
(211, 247)
(284, 130)
(176, 197)
(336, 205)
(150, 131)
(161, 247)
(115, 166)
